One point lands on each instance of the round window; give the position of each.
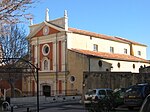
(46, 30)
(72, 79)
(46, 49)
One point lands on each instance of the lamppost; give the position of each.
(5, 61)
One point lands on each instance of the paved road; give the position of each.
(63, 107)
(74, 106)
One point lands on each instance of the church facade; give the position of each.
(62, 54)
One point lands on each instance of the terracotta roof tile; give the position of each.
(118, 39)
(104, 55)
(133, 42)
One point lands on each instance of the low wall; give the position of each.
(43, 99)
(62, 98)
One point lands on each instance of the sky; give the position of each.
(128, 19)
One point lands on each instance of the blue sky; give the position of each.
(125, 18)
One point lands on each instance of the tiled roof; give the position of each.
(133, 42)
(104, 55)
(117, 39)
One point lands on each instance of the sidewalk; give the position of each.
(43, 107)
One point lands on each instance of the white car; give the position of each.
(95, 95)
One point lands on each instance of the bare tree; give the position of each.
(12, 12)
(14, 45)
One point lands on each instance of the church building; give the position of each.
(63, 53)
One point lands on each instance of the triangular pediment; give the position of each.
(44, 28)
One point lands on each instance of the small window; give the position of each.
(100, 63)
(118, 65)
(125, 51)
(95, 47)
(90, 38)
(45, 65)
(139, 53)
(134, 66)
(112, 49)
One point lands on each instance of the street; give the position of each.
(63, 107)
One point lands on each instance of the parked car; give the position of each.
(98, 97)
(118, 94)
(146, 105)
(97, 94)
(135, 95)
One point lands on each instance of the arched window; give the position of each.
(45, 64)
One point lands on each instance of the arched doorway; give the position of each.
(46, 90)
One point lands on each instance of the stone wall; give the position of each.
(113, 79)
(144, 69)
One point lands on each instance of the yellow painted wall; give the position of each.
(77, 63)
